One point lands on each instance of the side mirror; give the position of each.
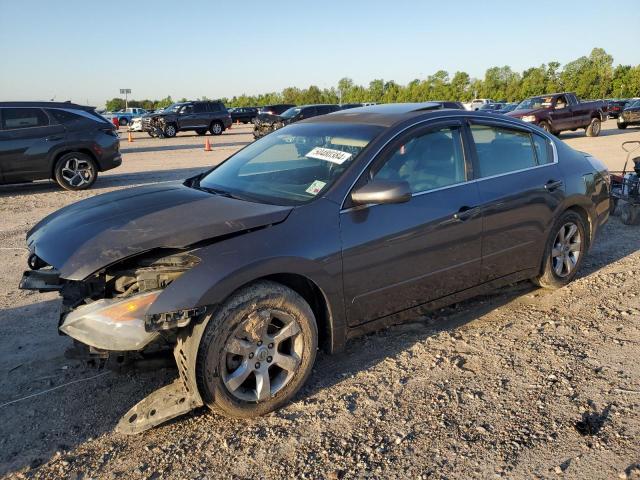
(382, 191)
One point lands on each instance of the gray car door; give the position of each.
(520, 187)
(398, 256)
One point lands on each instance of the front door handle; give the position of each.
(464, 213)
(53, 138)
(552, 185)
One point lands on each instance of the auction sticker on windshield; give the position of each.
(315, 187)
(329, 155)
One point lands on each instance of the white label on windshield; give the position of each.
(329, 155)
(315, 187)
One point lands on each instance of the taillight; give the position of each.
(110, 131)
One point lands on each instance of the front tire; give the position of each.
(546, 127)
(257, 350)
(593, 130)
(565, 251)
(75, 171)
(622, 126)
(216, 128)
(170, 130)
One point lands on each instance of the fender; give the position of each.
(228, 265)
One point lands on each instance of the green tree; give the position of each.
(115, 104)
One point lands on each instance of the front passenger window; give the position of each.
(428, 161)
(501, 150)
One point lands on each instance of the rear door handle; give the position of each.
(551, 185)
(464, 213)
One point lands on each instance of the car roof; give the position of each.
(385, 115)
(45, 105)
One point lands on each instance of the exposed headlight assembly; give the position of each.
(112, 324)
(529, 118)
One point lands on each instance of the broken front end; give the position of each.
(265, 124)
(107, 316)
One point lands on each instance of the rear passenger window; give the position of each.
(199, 107)
(13, 118)
(432, 160)
(501, 150)
(544, 151)
(62, 116)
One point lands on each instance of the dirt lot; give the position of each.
(524, 383)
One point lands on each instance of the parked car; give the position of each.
(324, 230)
(557, 112)
(244, 114)
(616, 107)
(507, 107)
(630, 115)
(476, 103)
(126, 116)
(265, 124)
(491, 107)
(136, 125)
(65, 142)
(276, 109)
(198, 116)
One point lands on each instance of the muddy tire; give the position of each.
(564, 252)
(216, 128)
(257, 350)
(170, 130)
(75, 171)
(593, 130)
(629, 214)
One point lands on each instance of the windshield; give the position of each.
(290, 113)
(535, 102)
(291, 166)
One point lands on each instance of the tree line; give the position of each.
(590, 77)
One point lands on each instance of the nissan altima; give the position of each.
(320, 231)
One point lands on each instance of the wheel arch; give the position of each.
(586, 218)
(58, 155)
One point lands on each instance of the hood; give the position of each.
(94, 233)
(525, 111)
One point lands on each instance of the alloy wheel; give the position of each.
(262, 355)
(566, 250)
(217, 129)
(77, 172)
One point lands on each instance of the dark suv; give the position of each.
(66, 142)
(185, 116)
(244, 114)
(276, 109)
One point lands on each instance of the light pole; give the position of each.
(125, 92)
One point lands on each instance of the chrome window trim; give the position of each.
(475, 180)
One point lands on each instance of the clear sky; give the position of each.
(87, 50)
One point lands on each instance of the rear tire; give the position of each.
(257, 350)
(75, 171)
(123, 122)
(593, 130)
(216, 128)
(564, 252)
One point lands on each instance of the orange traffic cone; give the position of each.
(130, 137)
(207, 145)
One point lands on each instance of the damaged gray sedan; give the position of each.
(324, 230)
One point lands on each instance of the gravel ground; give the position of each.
(523, 383)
